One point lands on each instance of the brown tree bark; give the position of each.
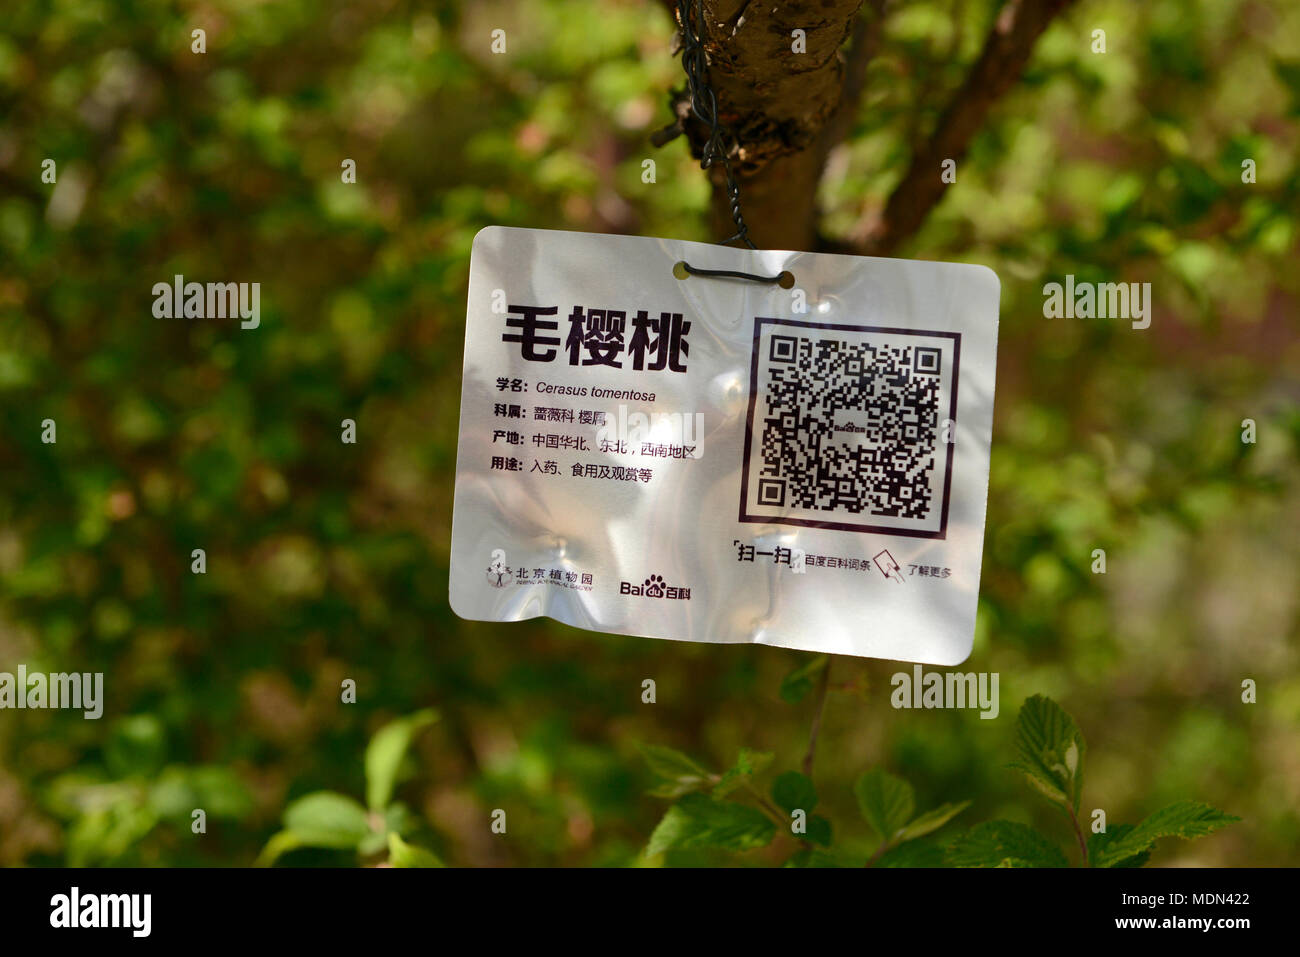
(787, 110)
(776, 102)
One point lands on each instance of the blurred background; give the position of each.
(328, 561)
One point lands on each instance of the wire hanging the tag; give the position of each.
(784, 279)
(704, 104)
(717, 147)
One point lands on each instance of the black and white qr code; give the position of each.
(850, 427)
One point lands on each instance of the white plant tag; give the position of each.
(717, 459)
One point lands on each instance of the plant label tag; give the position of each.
(716, 459)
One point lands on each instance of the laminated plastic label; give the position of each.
(717, 459)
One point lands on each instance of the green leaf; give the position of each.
(1289, 73)
(280, 843)
(385, 753)
(401, 854)
(1098, 843)
(681, 773)
(398, 817)
(748, 763)
(912, 854)
(819, 831)
(794, 791)
(372, 843)
(136, 745)
(800, 681)
(886, 802)
(1004, 844)
(699, 821)
(930, 821)
(327, 819)
(1185, 819)
(815, 857)
(218, 790)
(1050, 750)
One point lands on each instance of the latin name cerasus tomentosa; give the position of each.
(179, 299)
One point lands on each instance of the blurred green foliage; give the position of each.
(328, 562)
(1050, 752)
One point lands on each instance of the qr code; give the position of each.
(850, 427)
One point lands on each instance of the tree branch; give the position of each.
(1078, 833)
(1001, 63)
(863, 47)
(775, 100)
(823, 684)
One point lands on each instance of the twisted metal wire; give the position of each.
(704, 104)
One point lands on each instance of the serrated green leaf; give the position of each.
(794, 791)
(1004, 844)
(680, 774)
(385, 752)
(401, 854)
(327, 819)
(930, 821)
(886, 802)
(748, 764)
(799, 682)
(1097, 844)
(1050, 750)
(1185, 819)
(699, 821)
